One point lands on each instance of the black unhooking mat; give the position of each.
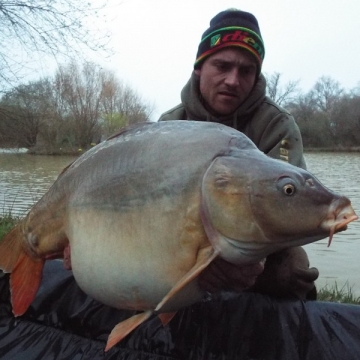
(64, 323)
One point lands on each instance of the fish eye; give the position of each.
(287, 185)
(289, 189)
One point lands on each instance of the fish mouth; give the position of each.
(340, 214)
(338, 218)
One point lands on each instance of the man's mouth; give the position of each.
(228, 95)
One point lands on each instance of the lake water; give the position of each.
(25, 178)
(340, 262)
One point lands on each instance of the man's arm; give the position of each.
(275, 132)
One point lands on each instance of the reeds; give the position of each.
(7, 221)
(334, 293)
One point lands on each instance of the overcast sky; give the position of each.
(156, 41)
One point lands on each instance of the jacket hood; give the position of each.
(193, 103)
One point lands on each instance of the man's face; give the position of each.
(226, 79)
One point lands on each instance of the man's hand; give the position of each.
(221, 275)
(288, 274)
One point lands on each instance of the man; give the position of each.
(227, 86)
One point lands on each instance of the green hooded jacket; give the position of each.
(272, 129)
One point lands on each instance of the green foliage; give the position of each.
(112, 122)
(7, 222)
(340, 295)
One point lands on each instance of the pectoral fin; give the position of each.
(206, 256)
(125, 327)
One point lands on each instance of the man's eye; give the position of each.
(248, 71)
(222, 66)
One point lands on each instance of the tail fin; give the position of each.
(25, 272)
(10, 249)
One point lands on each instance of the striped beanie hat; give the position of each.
(232, 27)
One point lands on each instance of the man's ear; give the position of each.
(197, 72)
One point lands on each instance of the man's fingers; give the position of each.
(222, 275)
(253, 270)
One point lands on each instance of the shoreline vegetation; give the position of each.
(329, 293)
(334, 293)
(76, 151)
(335, 149)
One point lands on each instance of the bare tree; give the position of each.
(326, 92)
(356, 91)
(79, 106)
(328, 116)
(92, 101)
(25, 109)
(51, 27)
(80, 91)
(346, 120)
(282, 95)
(121, 105)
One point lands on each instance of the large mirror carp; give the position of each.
(141, 214)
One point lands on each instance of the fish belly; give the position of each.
(131, 260)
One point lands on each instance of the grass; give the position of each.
(7, 222)
(333, 293)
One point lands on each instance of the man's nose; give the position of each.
(232, 78)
